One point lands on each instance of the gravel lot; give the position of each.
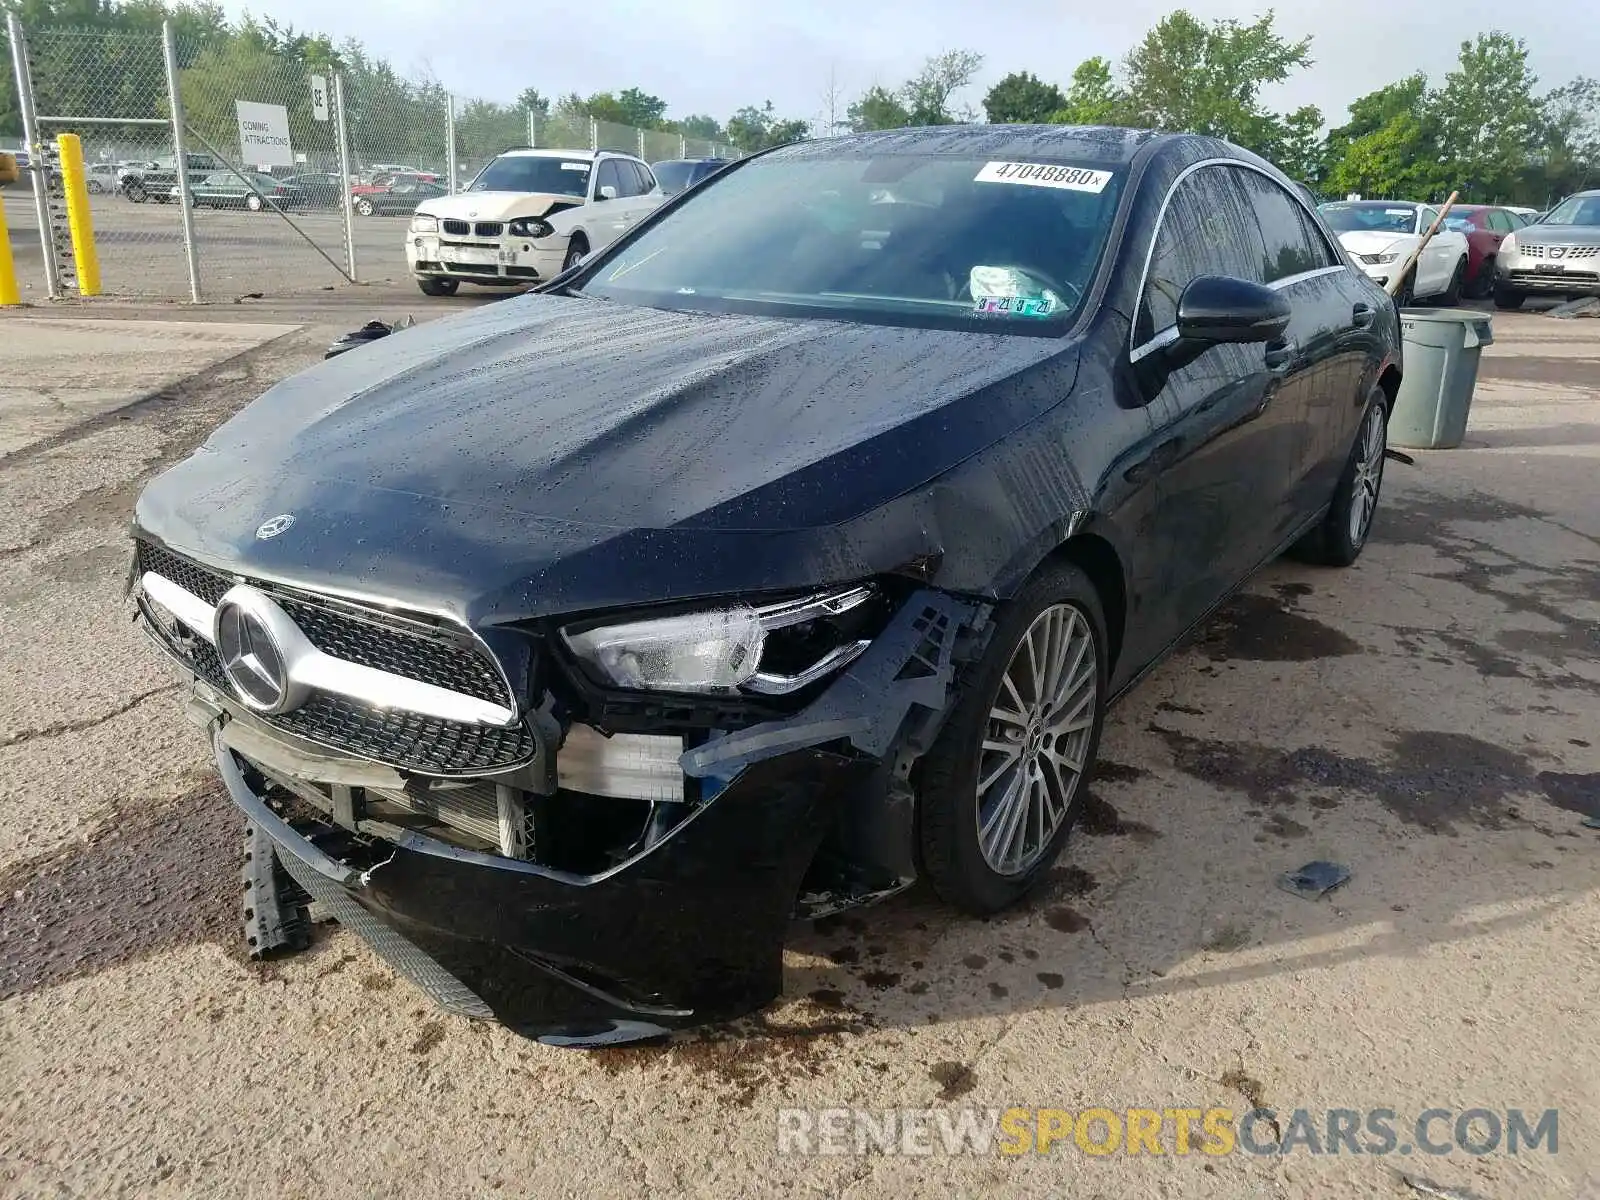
(140, 248)
(1430, 718)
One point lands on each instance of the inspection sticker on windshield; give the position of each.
(1016, 306)
(574, 166)
(1053, 175)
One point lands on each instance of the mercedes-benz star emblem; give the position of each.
(273, 526)
(258, 644)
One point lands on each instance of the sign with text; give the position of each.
(264, 134)
(319, 98)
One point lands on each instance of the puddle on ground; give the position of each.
(157, 876)
(1252, 628)
(1437, 781)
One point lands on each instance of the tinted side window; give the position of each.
(1292, 245)
(1208, 229)
(647, 181)
(608, 176)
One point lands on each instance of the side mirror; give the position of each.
(606, 192)
(1218, 308)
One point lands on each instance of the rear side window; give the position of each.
(647, 181)
(1500, 221)
(1291, 243)
(1209, 228)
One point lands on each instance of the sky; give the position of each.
(715, 56)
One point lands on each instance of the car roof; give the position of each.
(1099, 142)
(569, 155)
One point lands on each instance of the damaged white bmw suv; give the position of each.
(528, 216)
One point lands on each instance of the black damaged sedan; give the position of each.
(786, 551)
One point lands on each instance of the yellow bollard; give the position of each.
(8, 269)
(73, 182)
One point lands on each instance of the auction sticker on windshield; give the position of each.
(1074, 179)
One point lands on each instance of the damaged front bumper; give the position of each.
(805, 815)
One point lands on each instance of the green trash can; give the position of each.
(1441, 348)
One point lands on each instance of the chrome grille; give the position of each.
(1569, 252)
(410, 741)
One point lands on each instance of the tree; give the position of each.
(1094, 98)
(877, 108)
(752, 129)
(1022, 98)
(926, 96)
(534, 101)
(642, 110)
(1570, 158)
(1489, 122)
(705, 128)
(1207, 78)
(1390, 144)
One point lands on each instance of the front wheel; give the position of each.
(437, 287)
(1003, 785)
(1458, 277)
(577, 248)
(137, 194)
(1338, 540)
(253, 202)
(365, 207)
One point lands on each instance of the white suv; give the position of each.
(528, 216)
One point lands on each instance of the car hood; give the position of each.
(1559, 235)
(550, 453)
(1375, 241)
(495, 206)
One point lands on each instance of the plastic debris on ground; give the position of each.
(1585, 306)
(370, 332)
(1315, 879)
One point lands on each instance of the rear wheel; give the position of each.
(1483, 282)
(1505, 297)
(254, 202)
(1003, 785)
(137, 194)
(365, 207)
(1337, 542)
(438, 287)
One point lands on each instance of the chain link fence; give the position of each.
(297, 173)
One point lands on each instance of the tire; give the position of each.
(365, 207)
(254, 202)
(137, 194)
(1483, 281)
(96, 188)
(1407, 295)
(1058, 606)
(1504, 297)
(1338, 540)
(576, 249)
(1458, 279)
(437, 287)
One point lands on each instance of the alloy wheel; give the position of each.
(1369, 475)
(1036, 741)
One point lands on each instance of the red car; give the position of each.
(382, 183)
(1485, 228)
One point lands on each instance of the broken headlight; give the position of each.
(771, 649)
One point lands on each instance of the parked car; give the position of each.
(387, 180)
(322, 189)
(1560, 256)
(792, 545)
(1484, 227)
(100, 178)
(400, 198)
(380, 170)
(225, 189)
(1525, 216)
(1381, 234)
(159, 182)
(679, 174)
(527, 217)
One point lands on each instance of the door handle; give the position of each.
(1361, 316)
(1280, 355)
